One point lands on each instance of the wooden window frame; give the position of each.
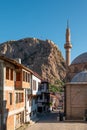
(28, 77)
(10, 98)
(18, 76)
(11, 74)
(7, 73)
(34, 84)
(24, 76)
(19, 97)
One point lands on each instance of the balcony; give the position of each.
(25, 84)
(9, 83)
(40, 104)
(18, 84)
(21, 84)
(44, 90)
(42, 100)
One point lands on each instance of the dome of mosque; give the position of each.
(80, 59)
(80, 77)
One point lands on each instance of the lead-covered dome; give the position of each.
(80, 59)
(80, 77)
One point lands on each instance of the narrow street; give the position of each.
(49, 122)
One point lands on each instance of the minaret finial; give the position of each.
(67, 23)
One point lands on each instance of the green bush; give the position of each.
(57, 87)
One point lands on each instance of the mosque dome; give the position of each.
(80, 59)
(80, 77)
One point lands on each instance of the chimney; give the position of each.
(18, 60)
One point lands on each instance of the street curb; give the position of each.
(27, 125)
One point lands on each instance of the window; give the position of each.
(41, 97)
(39, 86)
(11, 73)
(10, 98)
(7, 72)
(16, 97)
(19, 97)
(23, 75)
(28, 77)
(34, 85)
(18, 76)
(42, 86)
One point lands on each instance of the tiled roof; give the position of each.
(80, 59)
(20, 65)
(80, 77)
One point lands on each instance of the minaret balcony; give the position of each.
(67, 45)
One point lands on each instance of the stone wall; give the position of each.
(76, 101)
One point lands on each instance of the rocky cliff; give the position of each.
(43, 57)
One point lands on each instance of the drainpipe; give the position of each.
(25, 106)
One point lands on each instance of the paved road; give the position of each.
(49, 122)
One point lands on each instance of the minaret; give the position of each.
(68, 45)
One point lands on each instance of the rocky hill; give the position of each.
(43, 57)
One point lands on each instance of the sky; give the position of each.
(45, 19)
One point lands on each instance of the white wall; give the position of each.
(34, 92)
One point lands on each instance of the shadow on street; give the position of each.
(51, 117)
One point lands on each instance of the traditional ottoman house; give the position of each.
(76, 84)
(20, 88)
(14, 81)
(17, 85)
(43, 97)
(31, 100)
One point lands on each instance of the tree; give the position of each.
(57, 86)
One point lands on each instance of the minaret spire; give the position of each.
(67, 33)
(67, 23)
(68, 45)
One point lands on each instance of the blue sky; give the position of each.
(45, 19)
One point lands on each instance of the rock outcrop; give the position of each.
(43, 57)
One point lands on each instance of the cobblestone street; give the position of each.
(49, 122)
